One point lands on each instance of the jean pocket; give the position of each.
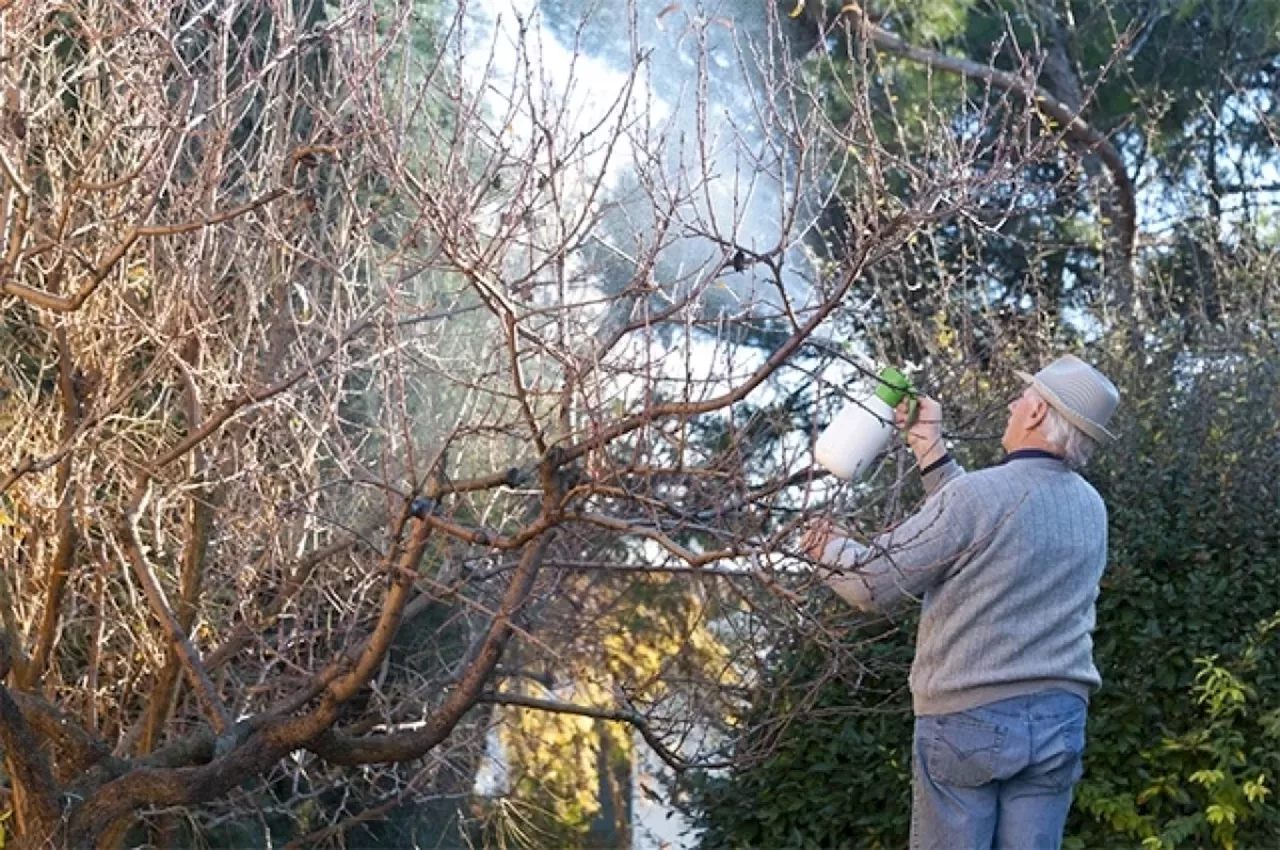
(1071, 740)
(1071, 736)
(962, 750)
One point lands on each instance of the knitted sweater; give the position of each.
(1007, 561)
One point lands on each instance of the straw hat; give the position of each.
(1082, 394)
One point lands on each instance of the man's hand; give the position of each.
(816, 537)
(925, 436)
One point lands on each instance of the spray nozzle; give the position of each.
(893, 387)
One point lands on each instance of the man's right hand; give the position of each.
(925, 435)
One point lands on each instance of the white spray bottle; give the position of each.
(862, 430)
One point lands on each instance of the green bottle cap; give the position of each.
(892, 387)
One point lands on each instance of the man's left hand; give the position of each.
(816, 537)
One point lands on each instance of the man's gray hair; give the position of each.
(1076, 446)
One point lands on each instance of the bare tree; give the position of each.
(360, 380)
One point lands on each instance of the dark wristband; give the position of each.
(937, 464)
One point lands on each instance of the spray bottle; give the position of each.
(864, 427)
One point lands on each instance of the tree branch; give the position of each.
(636, 721)
(319, 836)
(190, 658)
(260, 741)
(199, 526)
(890, 234)
(400, 746)
(65, 304)
(83, 750)
(60, 569)
(298, 576)
(657, 536)
(1073, 125)
(253, 395)
(31, 772)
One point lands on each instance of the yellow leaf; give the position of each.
(795, 13)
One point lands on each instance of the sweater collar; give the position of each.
(1028, 454)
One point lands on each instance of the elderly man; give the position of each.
(1007, 562)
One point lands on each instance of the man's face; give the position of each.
(1024, 416)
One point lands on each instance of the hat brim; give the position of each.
(1093, 429)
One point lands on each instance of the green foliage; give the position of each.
(1211, 785)
(825, 771)
(1181, 751)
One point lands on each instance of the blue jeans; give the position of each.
(997, 777)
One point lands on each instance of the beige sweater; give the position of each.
(1007, 563)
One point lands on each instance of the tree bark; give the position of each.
(253, 747)
(60, 569)
(36, 795)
